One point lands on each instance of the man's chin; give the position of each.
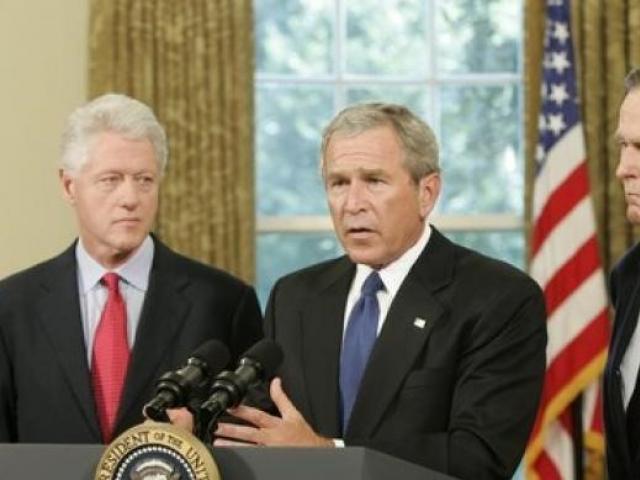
(125, 246)
(365, 257)
(633, 214)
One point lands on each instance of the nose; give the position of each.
(129, 194)
(355, 199)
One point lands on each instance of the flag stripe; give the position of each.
(546, 468)
(561, 201)
(581, 308)
(574, 357)
(560, 446)
(576, 228)
(562, 159)
(568, 277)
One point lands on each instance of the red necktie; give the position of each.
(110, 357)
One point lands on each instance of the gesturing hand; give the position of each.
(290, 429)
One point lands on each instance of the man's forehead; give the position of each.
(355, 170)
(629, 121)
(120, 161)
(631, 103)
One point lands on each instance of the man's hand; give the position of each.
(291, 430)
(181, 417)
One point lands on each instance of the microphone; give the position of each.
(175, 388)
(257, 364)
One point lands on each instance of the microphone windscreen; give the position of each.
(268, 354)
(214, 354)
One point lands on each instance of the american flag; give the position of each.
(566, 263)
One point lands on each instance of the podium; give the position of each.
(77, 462)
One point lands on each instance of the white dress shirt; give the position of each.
(392, 276)
(134, 281)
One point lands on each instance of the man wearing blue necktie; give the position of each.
(409, 344)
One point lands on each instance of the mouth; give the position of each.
(632, 197)
(359, 232)
(127, 221)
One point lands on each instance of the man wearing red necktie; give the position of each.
(85, 335)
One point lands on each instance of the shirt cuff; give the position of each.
(338, 442)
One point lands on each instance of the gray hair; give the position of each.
(631, 81)
(416, 138)
(115, 113)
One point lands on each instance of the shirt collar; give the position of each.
(394, 274)
(135, 271)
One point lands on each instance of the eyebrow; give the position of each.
(359, 171)
(635, 139)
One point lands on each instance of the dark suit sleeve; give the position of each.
(269, 315)
(7, 400)
(258, 396)
(613, 286)
(247, 326)
(498, 381)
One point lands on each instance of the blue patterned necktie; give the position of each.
(358, 342)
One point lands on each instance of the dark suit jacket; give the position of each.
(459, 395)
(45, 385)
(625, 296)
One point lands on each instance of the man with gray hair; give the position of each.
(621, 393)
(409, 344)
(84, 336)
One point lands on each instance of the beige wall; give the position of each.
(43, 70)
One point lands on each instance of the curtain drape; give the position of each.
(192, 62)
(606, 36)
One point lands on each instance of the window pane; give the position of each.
(478, 35)
(294, 36)
(282, 253)
(414, 97)
(504, 245)
(481, 154)
(386, 37)
(289, 124)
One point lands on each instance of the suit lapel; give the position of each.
(412, 315)
(62, 324)
(321, 327)
(163, 313)
(629, 320)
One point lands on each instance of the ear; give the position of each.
(68, 186)
(428, 193)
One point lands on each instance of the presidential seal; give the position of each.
(156, 451)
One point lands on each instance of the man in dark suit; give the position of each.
(84, 336)
(621, 392)
(410, 344)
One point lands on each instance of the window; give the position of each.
(457, 64)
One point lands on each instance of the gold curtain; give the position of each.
(192, 62)
(606, 36)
